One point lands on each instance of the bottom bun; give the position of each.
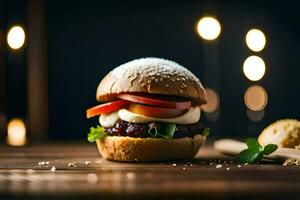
(129, 149)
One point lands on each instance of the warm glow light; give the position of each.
(256, 98)
(254, 68)
(209, 28)
(212, 101)
(16, 37)
(255, 40)
(16, 133)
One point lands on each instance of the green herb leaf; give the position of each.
(255, 152)
(206, 131)
(96, 133)
(270, 148)
(167, 131)
(248, 155)
(253, 144)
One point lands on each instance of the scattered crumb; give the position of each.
(53, 169)
(130, 175)
(191, 165)
(87, 162)
(43, 163)
(239, 166)
(218, 166)
(184, 168)
(227, 168)
(246, 163)
(92, 178)
(71, 164)
(290, 162)
(136, 160)
(174, 165)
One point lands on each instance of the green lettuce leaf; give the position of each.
(206, 131)
(96, 133)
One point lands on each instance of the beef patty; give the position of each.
(138, 130)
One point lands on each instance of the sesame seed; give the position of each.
(239, 166)
(71, 164)
(227, 168)
(53, 168)
(87, 162)
(174, 165)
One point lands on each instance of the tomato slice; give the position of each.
(156, 112)
(106, 108)
(153, 100)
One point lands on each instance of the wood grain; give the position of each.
(21, 176)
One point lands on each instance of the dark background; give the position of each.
(87, 39)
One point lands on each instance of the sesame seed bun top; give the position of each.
(154, 76)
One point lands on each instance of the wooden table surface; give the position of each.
(81, 173)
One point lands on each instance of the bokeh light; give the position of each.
(254, 68)
(16, 37)
(212, 101)
(16, 133)
(209, 28)
(256, 98)
(255, 40)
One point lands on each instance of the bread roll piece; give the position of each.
(154, 76)
(129, 149)
(284, 133)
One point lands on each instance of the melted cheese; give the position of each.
(109, 120)
(190, 117)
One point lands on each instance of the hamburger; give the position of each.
(149, 111)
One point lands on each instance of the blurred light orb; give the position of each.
(254, 68)
(213, 101)
(209, 28)
(255, 40)
(16, 133)
(16, 37)
(256, 98)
